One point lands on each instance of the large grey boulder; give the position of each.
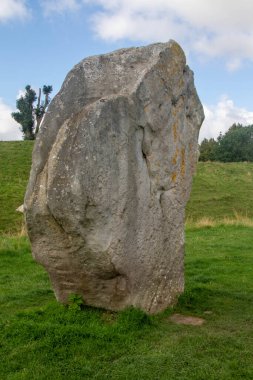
(111, 175)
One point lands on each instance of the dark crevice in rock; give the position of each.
(160, 201)
(144, 155)
(143, 151)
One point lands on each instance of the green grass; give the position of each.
(221, 190)
(15, 163)
(41, 339)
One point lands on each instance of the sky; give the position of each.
(41, 40)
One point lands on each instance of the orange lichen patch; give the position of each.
(147, 106)
(181, 83)
(177, 50)
(192, 156)
(174, 112)
(174, 158)
(175, 134)
(182, 162)
(174, 176)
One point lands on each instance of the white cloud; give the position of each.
(211, 28)
(11, 9)
(9, 128)
(59, 6)
(219, 117)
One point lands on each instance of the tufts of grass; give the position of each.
(203, 222)
(132, 319)
(237, 220)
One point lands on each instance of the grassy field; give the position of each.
(40, 339)
(43, 340)
(221, 190)
(15, 163)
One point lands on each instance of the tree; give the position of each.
(25, 114)
(29, 116)
(235, 145)
(207, 150)
(41, 107)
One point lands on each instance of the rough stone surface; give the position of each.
(20, 209)
(111, 175)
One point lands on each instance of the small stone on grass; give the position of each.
(187, 320)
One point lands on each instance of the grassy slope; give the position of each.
(221, 190)
(15, 162)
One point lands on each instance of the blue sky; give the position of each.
(41, 40)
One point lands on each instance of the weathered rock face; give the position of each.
(111, 175)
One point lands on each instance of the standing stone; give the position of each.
(111, 175)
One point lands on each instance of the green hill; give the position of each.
(15, 163)
(220, 190)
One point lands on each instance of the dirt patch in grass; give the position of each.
(186, 320)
